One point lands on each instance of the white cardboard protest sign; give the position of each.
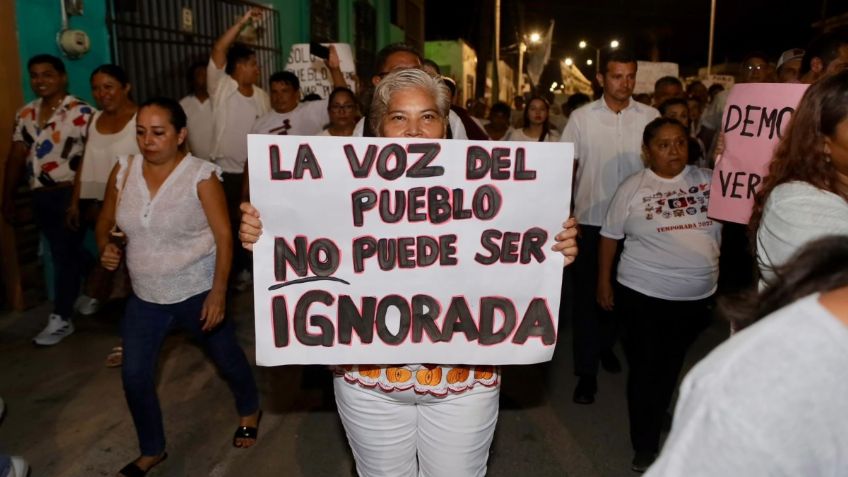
(726, 81)
(438, 252)
(648, 72)
(313, 73)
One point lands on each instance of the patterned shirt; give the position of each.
(55, 151)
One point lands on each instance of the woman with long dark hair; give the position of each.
(805, 195)
(537, 125)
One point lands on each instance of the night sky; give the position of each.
(673, 30)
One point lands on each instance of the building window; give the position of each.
(324, 23)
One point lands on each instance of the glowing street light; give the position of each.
(535, 37)
(583, 44)
(568, 62)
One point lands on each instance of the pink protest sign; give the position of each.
(755, 118)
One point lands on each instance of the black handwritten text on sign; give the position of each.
(373, 228)
(753, 122)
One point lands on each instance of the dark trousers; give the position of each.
(594, 329)
(657, 334)
(144, 328)
(736, 262)
(49, 207)
(232, 191)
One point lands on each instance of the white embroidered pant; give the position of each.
(450, 436)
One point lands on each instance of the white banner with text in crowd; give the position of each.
(381, 251)
(312, 72)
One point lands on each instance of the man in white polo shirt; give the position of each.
(237, 101)
(607, 137)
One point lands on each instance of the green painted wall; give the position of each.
(384, 23)
(38, 22)
(347, 21)
(396, 35)
(294, 24)
(295, 21)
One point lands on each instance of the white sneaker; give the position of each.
(86, 305)
(20, 468)
(55, 331)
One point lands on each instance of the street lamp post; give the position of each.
(583, 45)
(522, 47)
(533, 38)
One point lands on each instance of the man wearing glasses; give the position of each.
(755, 69)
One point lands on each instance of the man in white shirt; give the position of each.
(232, 75)
(607, 137)
(237, 101)
(198, 109)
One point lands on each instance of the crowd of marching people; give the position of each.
(161, 184)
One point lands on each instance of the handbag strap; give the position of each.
(121, 191)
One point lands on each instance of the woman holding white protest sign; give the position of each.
(666, 276)
(416, 419)
(171, 210)
(805, 195)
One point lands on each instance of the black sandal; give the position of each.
(246, 432)
(133, 470)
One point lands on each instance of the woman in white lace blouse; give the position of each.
(171, 207)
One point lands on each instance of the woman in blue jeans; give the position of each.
(171, 208)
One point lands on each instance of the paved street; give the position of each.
(66, 412)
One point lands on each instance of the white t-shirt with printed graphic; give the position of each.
(307, 119)
(671, 247)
